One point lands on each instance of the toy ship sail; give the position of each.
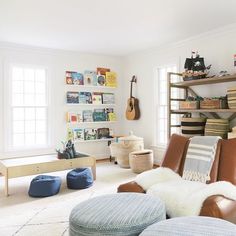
(195, 64)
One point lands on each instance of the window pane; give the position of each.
(40, 76)
(29, 139)
(17, 99)
(29, 113)
(29, 126)
(17, 73)
(29, 100)
(40, 88)
(40, 113)
(29, 74)
(18, 114)
(41, 138)
(40, 100)
(17, 87)
(29, 86)
(18, 127)
(18, 140)
(40, 126)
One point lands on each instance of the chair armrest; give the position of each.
(220, 207)
(130, 187)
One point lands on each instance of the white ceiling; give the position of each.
(114, 27)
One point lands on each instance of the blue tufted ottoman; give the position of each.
(191, 226)
(123, 214)
(44, 186)
(79, 178)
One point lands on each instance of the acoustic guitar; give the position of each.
(132, 111)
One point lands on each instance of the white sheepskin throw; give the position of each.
(182, 197)
(159, 175)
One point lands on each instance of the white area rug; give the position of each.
(22, 215)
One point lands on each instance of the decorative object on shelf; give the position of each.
(195, 68)
(103, 133)
(111, 79)
(132, 110)
(72, 97)
(214, 103)
(231, 96)
(192, 126)
(90, 78)
(141, 161)
(233, 133)
(190, 103)
(125, 146)
(217, 127)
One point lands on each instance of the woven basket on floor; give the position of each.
(141, 161)
(217, 127)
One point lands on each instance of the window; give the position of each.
(27, 108)
(161, 103)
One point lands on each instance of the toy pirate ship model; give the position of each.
(195, 68)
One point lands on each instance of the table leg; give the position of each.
(6, 184)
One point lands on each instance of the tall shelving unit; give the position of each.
(186, 86)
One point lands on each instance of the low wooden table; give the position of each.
(18, 167)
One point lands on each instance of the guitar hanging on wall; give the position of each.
(132, 111)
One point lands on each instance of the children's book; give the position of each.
(103, 133)
(72, 97)
(99, 115)
(97, 98)
(72, 117)
(108, 111)
(90, 78)
(108, 98)
(111, 116)
(111, 79)
(70, 134)
(78, 78)
(101, 80)
(85, 97)
(102, 71)
(69, 79)
(90, 134)
(78, 134)
(87, 116)
(79, 116)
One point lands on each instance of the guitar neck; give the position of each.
(131, 89)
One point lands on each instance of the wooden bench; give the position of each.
(24, 166)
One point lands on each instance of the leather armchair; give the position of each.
(223, 169)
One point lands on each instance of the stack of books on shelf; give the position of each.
(81, 134)
(100, 77)
(94, 98)
(96, 115)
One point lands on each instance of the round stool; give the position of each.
(141, 161)
(44, 186)
(80, 178)
(192, 225)
(122, 214)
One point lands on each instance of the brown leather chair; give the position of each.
(223, 169)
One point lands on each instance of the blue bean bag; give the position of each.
(79, 178)
(44, 186)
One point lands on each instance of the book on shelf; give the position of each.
(107, 111)
(85, 98)
(73, 117)
(72, 97)
(103, 133)
(90, 78)
(90, 134)
(101, 80)
(99, 115)
(102, 71)
(111, 116)
(78, 134)
(108, 98)
(97, 98)
(87, 116)
(111, 80)
(78, 78)
(70, 134)
(69, 79)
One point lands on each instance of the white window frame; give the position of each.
(157, 83)
(8, 149)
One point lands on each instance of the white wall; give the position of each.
(58, 62)
(217, 47)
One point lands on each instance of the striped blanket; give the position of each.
(200, 157)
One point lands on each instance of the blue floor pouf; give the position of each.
(79, 178)
(44, 186)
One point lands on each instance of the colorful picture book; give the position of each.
(72, 97)
(101, 80)
(75, 78)
(103, 133)
(74, 117)
(85, 98)
(99, 115)
(111, 79)
(78, 134)
(108, 98)
(90, 77)
(70, 134)
(90, 134)
(102, 71)
(97, 98)
(87, 116)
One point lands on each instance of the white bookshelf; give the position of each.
(93, 122)
(90, 104)
(95, 140)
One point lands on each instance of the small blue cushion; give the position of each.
(44, 186)
(79, 178)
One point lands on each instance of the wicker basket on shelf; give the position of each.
(231, 97)
(217, 127)
(193, 126)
